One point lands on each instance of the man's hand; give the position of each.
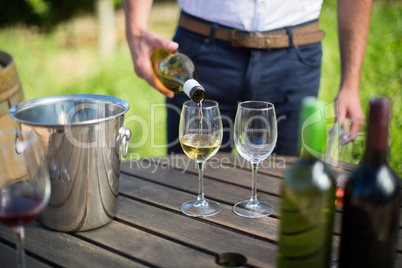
(143, 42)
(348, 106)
(142, 46)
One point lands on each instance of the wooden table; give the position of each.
(150, 230)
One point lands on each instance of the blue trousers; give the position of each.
(230, 75)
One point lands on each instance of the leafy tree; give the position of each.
(43, 13)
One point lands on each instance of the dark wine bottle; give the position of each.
(308, 197)
(177, 73)
(372, 199)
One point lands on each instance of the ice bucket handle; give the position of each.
(125, 136)
(15, 141)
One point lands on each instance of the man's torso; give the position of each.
(254, 15)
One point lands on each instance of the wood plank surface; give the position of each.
(215, 189)
(172, 199)
(8, 258)
(181, 175)
(149, 229)
(159, 175)
(63, 249)
(199, 233)
(144, 243)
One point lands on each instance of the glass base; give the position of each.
(253, 210)
(201, 209)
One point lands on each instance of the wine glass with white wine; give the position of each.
(200, 134)
(255, 135)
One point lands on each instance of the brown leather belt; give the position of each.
(302, 35)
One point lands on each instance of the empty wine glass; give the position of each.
(200, 134)
(255, 135)
(345, 150)
(24, 183)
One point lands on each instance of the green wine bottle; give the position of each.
(308, 197)
(177, 73)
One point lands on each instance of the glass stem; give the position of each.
(253, 198)
(20, 237)
(200, 198)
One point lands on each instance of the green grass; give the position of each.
(47, 66)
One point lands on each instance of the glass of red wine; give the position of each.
(24, 183)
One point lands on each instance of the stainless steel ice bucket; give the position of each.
(84, 138)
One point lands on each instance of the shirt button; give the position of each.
(261, 2)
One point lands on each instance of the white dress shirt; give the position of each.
(254, 15)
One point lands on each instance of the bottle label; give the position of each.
(188, 85)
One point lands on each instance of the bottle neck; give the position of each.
(375, 157)
(194, 90)
(312, 129)
(377, 132)
(376, 151)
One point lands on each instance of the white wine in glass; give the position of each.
(200, 134)
(255, 135)
(200, 147)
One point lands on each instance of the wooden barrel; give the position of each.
(10, 90)
(10, 95)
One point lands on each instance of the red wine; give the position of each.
(371, 201)
(19, 209)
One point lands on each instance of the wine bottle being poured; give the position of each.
(177, 73)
